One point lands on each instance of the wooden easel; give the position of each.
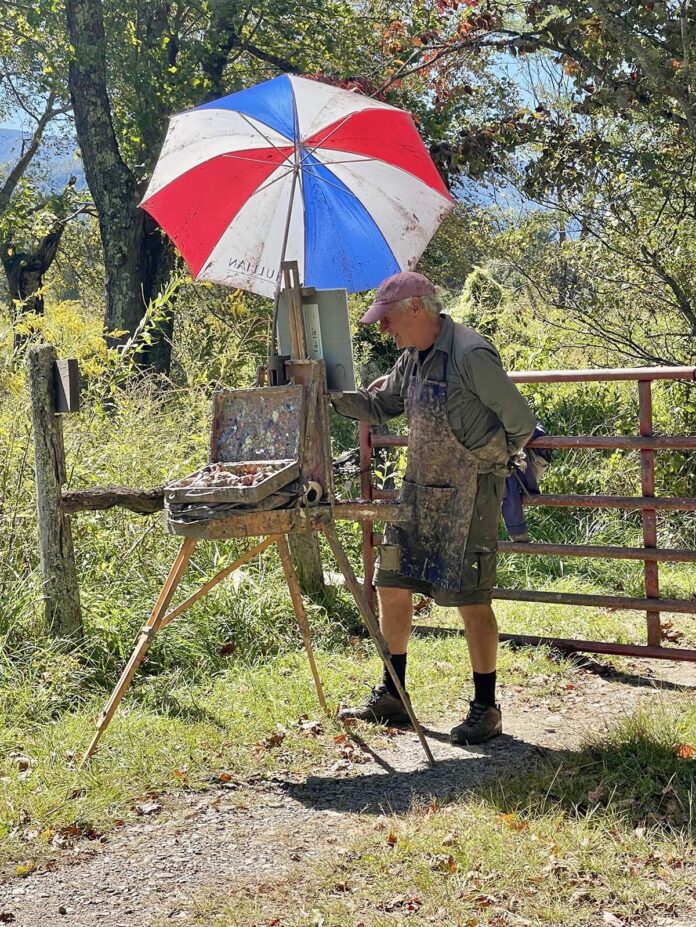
(273, 527)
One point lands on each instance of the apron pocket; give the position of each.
(433, 542)
(433, 513)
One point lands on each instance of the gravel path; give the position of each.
(234, 838)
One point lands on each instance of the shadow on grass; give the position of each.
(635, 775)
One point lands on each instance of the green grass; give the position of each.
(605, 832)
(171, 732)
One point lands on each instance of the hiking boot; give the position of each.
(381, 706)
(482, 723)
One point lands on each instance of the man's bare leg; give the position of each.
(481, 636)
(395, 619)
(484, 719)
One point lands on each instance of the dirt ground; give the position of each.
(234, 838)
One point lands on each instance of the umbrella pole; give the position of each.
(276, 361)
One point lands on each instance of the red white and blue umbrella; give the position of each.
(294, 169)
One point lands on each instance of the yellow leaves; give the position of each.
(25, 869)
(513, 821)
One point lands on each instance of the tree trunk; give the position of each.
(306, 558)
(61, 593)
(136, 258)
(157, 263)
(25, 273)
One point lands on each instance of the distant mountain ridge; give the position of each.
(53, 165)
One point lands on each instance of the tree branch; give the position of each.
(25, 160)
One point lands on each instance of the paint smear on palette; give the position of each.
(258, 424)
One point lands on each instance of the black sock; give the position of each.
(484, 688)
(398, 661)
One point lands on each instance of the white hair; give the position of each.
(433, 304)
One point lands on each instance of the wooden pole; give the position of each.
(218, 578)
(61, 594)
(143, 643)
(298, 605)
(374, 631)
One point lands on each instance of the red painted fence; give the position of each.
(646, 444)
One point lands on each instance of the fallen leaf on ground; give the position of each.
(444, 863)
(401, 903)
(392, 839)
(611, 919)
(684, 751)
(20, 760)
(148, 807)
(307, 726)
(670, 633)
(273, 740)
(513, 821)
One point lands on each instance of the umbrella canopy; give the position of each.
(293, 169)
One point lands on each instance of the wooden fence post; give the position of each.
(61, 593)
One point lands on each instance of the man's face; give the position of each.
(404, 325)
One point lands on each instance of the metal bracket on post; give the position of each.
(66, 384)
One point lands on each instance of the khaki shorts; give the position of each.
(478, 579)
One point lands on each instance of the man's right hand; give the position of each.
(377, 384)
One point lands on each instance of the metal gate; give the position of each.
(646, 443)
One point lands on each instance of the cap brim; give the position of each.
(376, 312)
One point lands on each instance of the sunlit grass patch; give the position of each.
(173, 731)
(576, 842)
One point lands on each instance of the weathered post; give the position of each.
(306, 559)
(61, 593)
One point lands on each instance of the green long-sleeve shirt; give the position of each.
(482, 400)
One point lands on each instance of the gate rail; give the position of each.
(647, 444)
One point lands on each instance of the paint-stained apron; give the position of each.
(440, 486)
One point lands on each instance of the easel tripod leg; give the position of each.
(148, 632)
(218, 578)
(374, 630)
(298, 605)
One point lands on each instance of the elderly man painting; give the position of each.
(466, 419)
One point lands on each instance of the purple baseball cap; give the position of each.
(399, 286)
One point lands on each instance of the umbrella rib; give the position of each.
(270, 183)
(256, 129)
(343, 189)
(254, 160)
(354, 161)
(340, 125)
